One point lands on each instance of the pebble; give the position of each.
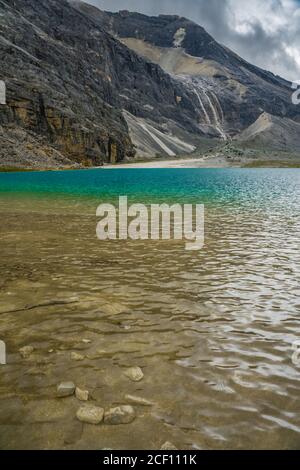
(138, 400)
(134, 373)
(124, 414)
(26, 351)
(82, 395)
(168, 446)
(65, 389)
(90, 414)
(86, 341)
(76, 356)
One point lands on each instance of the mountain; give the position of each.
(68, 84)
(86, 87)
(273, 132)
(233, 92)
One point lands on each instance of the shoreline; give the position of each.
(200, 162)
(181, 162)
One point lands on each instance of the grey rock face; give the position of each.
(68, 81)
(84, 87)
(233, 93)
(277, 133)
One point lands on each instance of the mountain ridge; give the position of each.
(232, 93)
(86, 87)
(67, 85)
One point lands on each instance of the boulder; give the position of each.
(82, 395)
(76, 356)
(134, 373)
(65, 389)
(124, 414)
(26, 351)
(90, 414)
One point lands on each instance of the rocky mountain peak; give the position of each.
(69, 82)
(88, 86)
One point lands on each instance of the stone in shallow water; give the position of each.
(138, 400)
(26, 351)
(82, 395)
(90, 414)
(168, 446)
(86, 341)
(76, 356)
(124, 414)
(65, 389)
(134, 373)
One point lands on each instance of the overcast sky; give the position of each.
(264, 32)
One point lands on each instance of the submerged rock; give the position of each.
(138, 400)
(65, 389)
(90, 414)
(134, 373)
(26, 351)
(76, 356)
(124, 414)
(82, 395)
(86, 341)
(168, 446)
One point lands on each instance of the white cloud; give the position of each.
(272, 15)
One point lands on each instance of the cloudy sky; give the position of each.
(265, 32)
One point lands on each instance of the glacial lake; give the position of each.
(214, 331)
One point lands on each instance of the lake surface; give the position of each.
(213, 330)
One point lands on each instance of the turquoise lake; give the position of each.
(249, 186)
(215, 331)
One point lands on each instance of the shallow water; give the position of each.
(213, 330)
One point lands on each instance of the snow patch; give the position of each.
(179, 37)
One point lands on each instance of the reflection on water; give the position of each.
(212, 330)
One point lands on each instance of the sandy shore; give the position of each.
(200, 162)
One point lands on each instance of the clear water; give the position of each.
(212, 330)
